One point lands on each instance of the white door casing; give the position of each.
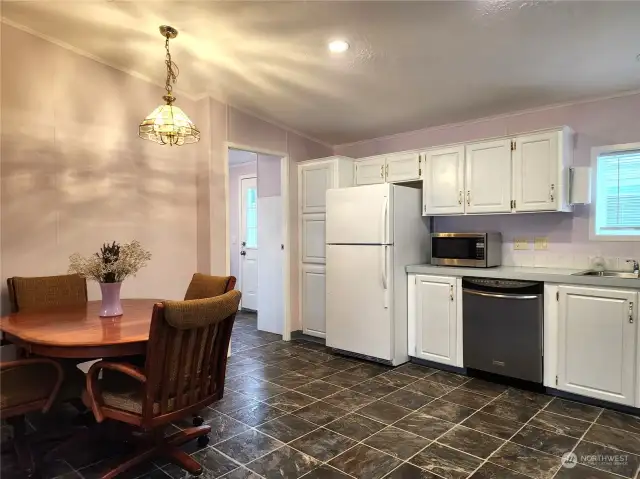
(597, 343)
(370, 171)
(443, 181)
(488, 177)
(248, 281)
(535, 172)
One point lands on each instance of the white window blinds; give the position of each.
(618, 194)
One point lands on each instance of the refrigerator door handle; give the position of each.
(385, 279)
(383, 220)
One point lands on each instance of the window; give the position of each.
(617, 193)
(252, 218)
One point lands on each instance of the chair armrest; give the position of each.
(95, 395)
(26, 362)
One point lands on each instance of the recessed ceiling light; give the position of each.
(338, 46)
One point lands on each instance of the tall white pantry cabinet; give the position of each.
(315, 177)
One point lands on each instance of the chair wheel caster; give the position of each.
(203, 441)
(198, 421)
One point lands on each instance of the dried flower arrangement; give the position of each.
(112, 264)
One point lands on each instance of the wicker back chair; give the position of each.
(184, 372)
(205, 286)
(46, 291)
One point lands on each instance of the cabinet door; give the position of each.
(370, 172)
(315, 179)
(403, 167)
(313, 300)
(597, 341)
(313, 238)
(443, 182)
(436, 336)
(488, 177)
(535, 172)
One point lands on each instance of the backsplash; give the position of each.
(567, 234)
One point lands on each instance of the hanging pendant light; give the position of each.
(168, 124)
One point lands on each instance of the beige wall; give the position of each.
(74, 174)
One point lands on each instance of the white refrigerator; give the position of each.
(373, 232)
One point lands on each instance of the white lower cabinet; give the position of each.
(435, 321)
(598, 343)
(313, 300)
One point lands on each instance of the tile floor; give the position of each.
(295, 410)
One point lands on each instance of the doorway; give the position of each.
(257, 229)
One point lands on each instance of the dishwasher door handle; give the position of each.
(500, 295)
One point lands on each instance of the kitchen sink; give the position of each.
(608, 274)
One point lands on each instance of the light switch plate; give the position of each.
(540, 243)
(520, 243)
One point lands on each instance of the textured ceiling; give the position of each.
(411, 64)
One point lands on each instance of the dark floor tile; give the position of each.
(283, 463)
(248, 446)
(467, 398)
(355, 426)
(323, 444)
(317, 371)
(573, 409)
(408, 399)
(212, 461)
(365, 463)
(429, 388)
(471, 441)
(224, 427)
(492, 471)
(619, 420)
(484, 387)
(315, 357)
(241, 473)
(319, 389)
(345, 379)
(560, 424)
(409, 471)
(147, 470)
(373, 388)
(232, 401)
(369, 370)
(448, 379)
(207, 414)
(529, 462)
(256, 388)
(287, 428)
(53, 468)
(267, 373)
(415, 370)
(396, 442)
(545, 441)
(396, 379)
(383, 411)
(340, 364)
(446, 462)
(257, 414)
(292, 364)
(526, 398)
(320, 413)
(348, 399)
(243, 367)
(424, 424)
(583, 472)
(290, 401)
(607, 459)
(447, 410)
(326, 472)
(291, 380)
(616, 438)
(492, 425)
(509, 410)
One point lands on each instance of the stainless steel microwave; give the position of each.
(477, 250)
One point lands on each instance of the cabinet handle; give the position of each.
(631, 312)
(460, 197)
(381, 171)
(386, 170)
(552, 189)
(468, 197)
(451, 292)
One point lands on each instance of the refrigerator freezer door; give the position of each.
(359, 307)
(360, 215)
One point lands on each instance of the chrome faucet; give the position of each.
(636, 268)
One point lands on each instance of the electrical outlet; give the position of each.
(540, 243)
(520, 243)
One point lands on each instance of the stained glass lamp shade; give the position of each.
(168, 125)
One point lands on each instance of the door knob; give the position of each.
(244, 243)
(243, 253)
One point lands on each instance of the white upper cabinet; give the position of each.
(597, 343)
(443, 181)
(488, 177)
(370, 171)
(538, 171)
(403, 167)
(315, 177)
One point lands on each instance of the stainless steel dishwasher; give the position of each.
(502, 327)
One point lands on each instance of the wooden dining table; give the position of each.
(79, 331)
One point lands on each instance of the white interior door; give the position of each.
(249, 243)
(271, 271)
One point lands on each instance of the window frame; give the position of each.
(595, 153)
